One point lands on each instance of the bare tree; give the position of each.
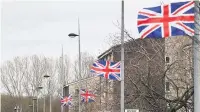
(63, 69)
(23, 75)
(13, 73)
(87, 82)
(146, 73)
(86, 61)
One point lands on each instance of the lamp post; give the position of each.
(62, 76)
(38, 88)
(73, 35)
(47, 76)
(196, 55)
(34, 99)
(30, 107)
(122, 58)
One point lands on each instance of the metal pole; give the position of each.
(37, 101)
(196, 50)
(122, 58)
(62, 79)
(100, 94)
(49, 98)
(21, 109)
(64, 82)
(33, 105)
(45, 83)
(18, 109)
(37, 85)
(44, 105)
(106, 95)
(79, 52)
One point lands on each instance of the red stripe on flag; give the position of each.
(185, 27)
(148, 14)
(149, 31)
(180, 9)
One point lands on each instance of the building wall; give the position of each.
(178, 79)
(145, 66)
(139, 59)
(91, 84)
(107, 88)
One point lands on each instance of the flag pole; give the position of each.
(196, 57)
(79, 65)
(122, 57)
(62, 77)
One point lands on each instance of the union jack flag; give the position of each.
(106, 69)
(66, 101)
(87, 96)
(173, 19)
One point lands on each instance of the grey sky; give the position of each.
(42, 27)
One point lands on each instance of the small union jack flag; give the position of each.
(173, 19)
(106, 69)
(66, 101)
(87, 96)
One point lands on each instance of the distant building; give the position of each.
(178, 56)
(140, 58)
(90, 83)
(148, 78)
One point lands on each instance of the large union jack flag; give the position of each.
(87, 96)
(66, 101)
(106, 69)
(167, 20)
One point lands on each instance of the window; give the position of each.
(108, 57)
(167, 86)
(76, 92)
(167, 59)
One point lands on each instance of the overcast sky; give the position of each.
(35, 27)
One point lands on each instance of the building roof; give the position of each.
(111, 49)
(132, 42)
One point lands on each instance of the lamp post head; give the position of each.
(72, 35)
(39, 87)
(46, 76)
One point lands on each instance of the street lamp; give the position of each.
(30, 107)
(73, 35)
(47, 76)
(37, 88)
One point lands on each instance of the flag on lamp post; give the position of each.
(66, 101)
(87, 96)
(107, 69)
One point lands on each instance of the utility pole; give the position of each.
(72, 35)
(196, 58)
(79, 64)
(61, 78)
(33, 105)
(122, 58)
